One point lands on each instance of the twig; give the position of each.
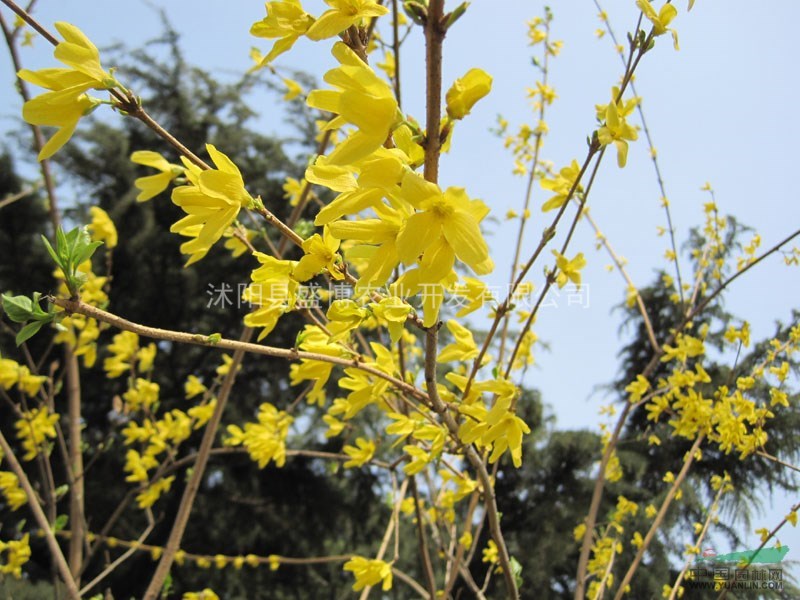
(662, 512)
(41, 519)
(76, 306)
(123, 557)
(198, 472)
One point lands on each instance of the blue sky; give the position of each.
(722, 109)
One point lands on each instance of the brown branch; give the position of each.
(198, 472)
(76, 306)
(662, 512)
(475, 460)
(434, 36)
(41, 519)
(424, 551)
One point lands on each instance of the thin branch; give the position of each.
(659, 519)
(198, 472)
(76, 306)
(424, 551)
(123, 557)
(474, 459)
(41, 519)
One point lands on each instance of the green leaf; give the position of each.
(61, 246)
(18, 308)
(29, 331)
(52, 253)
(516, 570)
(167, 587)
(84, 253)
(60, 522)
(61, 491)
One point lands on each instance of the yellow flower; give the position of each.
(49, 111)
(616, 130)
(361, 454)
(212, 201)
(451, 215)
(343, 14)
(369, 572)
(389, 65)
(395, 312)
(193, 387)
(286, 21)
(273, 291)
(146, 356)
(202, 414)
(29, 383)
(136, 464)
(463, 348)
(292, 190)
(149, 496)
(66, 102)
(9, 373)
(124, 347)
(34, 428)
(293, 89)
(505, 432)
(377, 247)
(102, 227)
(660, 19)
(265, 440)
(17, 552)
(569, 270)
(142, 396)
(362, 99)
(561, 185)
(152, 185)
(491, 554)
(466, 91)
(14, 495)
(206, 594)
(320, 253)
(637, 389)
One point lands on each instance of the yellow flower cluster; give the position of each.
(127, 356)
(369, 572)
(34, 429)
(265, 440)
(14, 495)
(17, 553)
(14, 374)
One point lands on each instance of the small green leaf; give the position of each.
(18, 308)
(60, 522)
(214, 338)
(61, 246)
(84, 253)
(29, 331)
(167, 587)
(516, 570)
(456, 14)
(52, 253)
(61, 491)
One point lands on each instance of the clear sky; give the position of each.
(722, 109)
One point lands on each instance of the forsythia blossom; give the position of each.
(66, 102)
(343, 14)
(212, 200)
(362, 99)
(369, 572)
(152, 185)
(466, 91)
